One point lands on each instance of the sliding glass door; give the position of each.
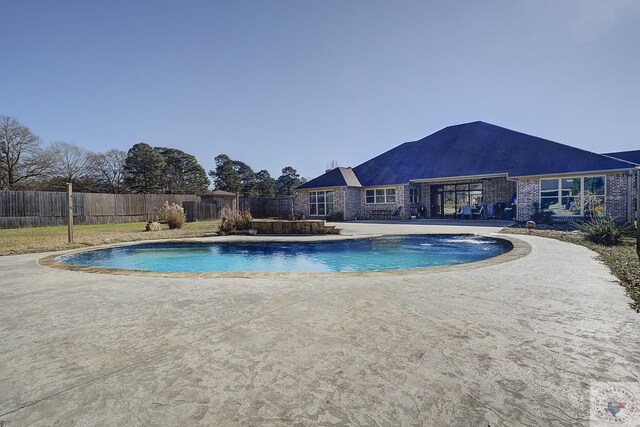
(447, 199)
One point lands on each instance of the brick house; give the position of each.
(477, 170)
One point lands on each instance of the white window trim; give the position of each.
(326, 210)
(395, 196)
(414, 198)
(582, 198)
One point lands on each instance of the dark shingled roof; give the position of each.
(629, 156)
(474, 149)
(218, 193)
(337, 177)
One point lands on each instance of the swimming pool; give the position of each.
(370, 254)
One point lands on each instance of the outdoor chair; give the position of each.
(478, 213)
(490, 212)
(466, 210)
(508, 214)
(397, 212)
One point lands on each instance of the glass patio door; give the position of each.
(447, 199)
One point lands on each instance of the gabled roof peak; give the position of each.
(337, 177)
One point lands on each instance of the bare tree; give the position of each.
(69, 161)
(21, 155)
(331, 165)
(108, 169)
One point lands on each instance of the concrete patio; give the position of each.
(516, 343)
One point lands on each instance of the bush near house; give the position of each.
(541, 217)
(335, 217)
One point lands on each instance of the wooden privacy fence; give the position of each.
(20, 209)
(200, 211)
(268, 207)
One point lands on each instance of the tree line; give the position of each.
(27, 164)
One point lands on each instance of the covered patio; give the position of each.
(463, 198)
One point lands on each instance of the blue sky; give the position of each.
(301, 83)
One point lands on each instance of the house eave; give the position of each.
(576, 173)
(326, 187)
(451, 178)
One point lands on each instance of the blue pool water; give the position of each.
(374, 254)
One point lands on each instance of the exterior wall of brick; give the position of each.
(425, 197)
(528, 194)
(301, 202)
(496, 190)
(618, 201)
(372, 210)
(339, 200)
(406, 205)
(345, 200)
(352, 204)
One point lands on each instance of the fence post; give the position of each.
(70, 212)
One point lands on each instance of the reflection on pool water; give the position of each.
(371, 254)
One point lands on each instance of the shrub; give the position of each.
(604, 231)
(541, 217)
(173, 214)
(298, 216)
(232, 220)
(335, 217)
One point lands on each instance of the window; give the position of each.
(380, 195)
(458, 195)
(320, 202)
(414, 196)
(594, 195)
(568, 196)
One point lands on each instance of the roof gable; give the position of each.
(338, 177)
(218, 193)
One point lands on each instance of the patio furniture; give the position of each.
(490, 212)
(508, 214)
(396, 213)
(478, 212)
(465, 210)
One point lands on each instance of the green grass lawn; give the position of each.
(44, 239)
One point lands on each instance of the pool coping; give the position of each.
(519, 249)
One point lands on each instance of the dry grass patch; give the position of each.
(44, 239)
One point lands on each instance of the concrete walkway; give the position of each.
(511, 344)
